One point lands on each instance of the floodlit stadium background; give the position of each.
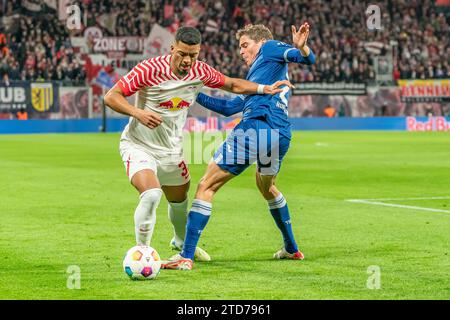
(387, 60)
(369, 198)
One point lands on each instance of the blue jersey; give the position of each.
(271, 65)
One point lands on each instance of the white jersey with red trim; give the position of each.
(161, 91)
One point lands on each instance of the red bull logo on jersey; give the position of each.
(174, 104)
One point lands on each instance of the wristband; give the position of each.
(260, 89)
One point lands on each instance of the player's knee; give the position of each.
(145, 180)
(269, 192)
(204, 191)
(151, 197)
(177, 198)
(203, 185)
(267, 195)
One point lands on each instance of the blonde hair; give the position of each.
(255, 32)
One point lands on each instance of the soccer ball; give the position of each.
(142, 263)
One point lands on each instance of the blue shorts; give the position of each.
(252, 140)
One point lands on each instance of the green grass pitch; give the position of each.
(65, 200)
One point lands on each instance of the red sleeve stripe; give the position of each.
(134, 84)
(214, 78)
(137, 78)
(130, 85)
(217, 76)
(126, 85)
(165, 70)
(208, 74)
(196, 71)
(142, 75)
(161, 68)
(150, 71)
(158, 72)
(151, 74)
(203, 74)
(123, 86)
(156, 76)
(200, 71)
(137, 83)
(191, 75)
(169, 71)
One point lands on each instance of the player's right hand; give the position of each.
(300, 37)
(148, 118)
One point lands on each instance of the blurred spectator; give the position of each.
(22, 114)
(38, 49)
(339, 35)
(329, 111)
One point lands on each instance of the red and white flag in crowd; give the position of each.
(158, 42)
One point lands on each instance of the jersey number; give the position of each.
(283, 95)
(184, 169)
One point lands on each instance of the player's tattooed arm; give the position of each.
(241, 86)
(115, 99)
(300, 37)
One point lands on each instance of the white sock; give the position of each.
(178, 217)
(145, 215)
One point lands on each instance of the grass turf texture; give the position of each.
(65, 200)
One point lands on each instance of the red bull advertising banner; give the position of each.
(425, 90)
(210, 124)
(431, 124)
(197, 125)
(377, 102)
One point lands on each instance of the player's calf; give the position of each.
(145, 215)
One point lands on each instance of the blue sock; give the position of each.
(280, 213)
(197, 219)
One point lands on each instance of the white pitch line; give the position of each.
(396, 205)
(403, 199)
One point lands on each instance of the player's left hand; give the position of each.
(275, 88)
(300, 37)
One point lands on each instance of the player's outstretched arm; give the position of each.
(299, 40)
(241, 86)
(224, 107)
(282, 52)
(300, 37)
(115, 99)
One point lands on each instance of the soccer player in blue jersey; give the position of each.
(263, 136)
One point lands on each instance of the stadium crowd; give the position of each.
(38, 48)
(416, 32)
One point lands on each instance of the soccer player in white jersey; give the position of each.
(151, 143)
